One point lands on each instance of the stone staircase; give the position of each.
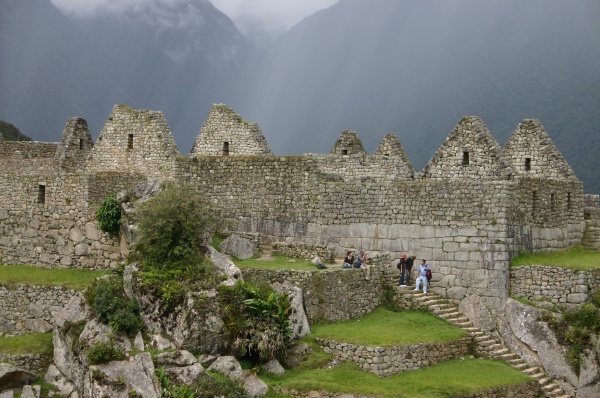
(487, 345)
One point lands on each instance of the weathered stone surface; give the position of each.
(184, 374)
(254, 386)
(14, 377)
(238, 247)
(176, 358)
(226, 266)
(229, 366)
(589, 378)
(274, 367)
(119, 378)
(474, 308)
(57, 379)
(529, 337)
(298, 319)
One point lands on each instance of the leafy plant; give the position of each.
(104, 352)
(109, 216)
(109, 302)
(170, 249)
(257, 320)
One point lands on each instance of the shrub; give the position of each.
(170, 248)
(257, 320)
(104, 352)
(111, 306)
(109, 216)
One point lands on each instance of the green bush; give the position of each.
(109, 216)
(104, 352)
(257, 320)
(170, 249)
(111, 306)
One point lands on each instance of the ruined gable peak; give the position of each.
(75, 143)
(225, 133)
(348, 144)
(390, 147)
(532, 153)
(469, 151)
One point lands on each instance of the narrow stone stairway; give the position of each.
(486, 345)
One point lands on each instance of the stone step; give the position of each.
(551, 387)
(482, 337)
(508, 357)
(532, 370)
(451, 315)
(493, 347)
(499, 352)
(461, 325)
(538, 376)
(520, 366)
(487, 343)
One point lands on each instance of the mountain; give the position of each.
(416, 67)
(411, 67)
(176, 57)
(11, 133)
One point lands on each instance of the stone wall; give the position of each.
(385, 361)
(28, 309)
(557, 285)
(302, 250)
(35, 363)
(27, 149)
(333, 294)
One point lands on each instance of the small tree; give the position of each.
(109, 216)
(170, 248)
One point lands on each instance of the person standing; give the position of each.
(423, 275)
(409, 264)
(362, 262)
(402, 268)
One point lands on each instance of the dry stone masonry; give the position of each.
(473, 207)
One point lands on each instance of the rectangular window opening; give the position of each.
(534, 203)
(569, 204)
(130, 141)
(344, 151)
(552, 201)
(465, 159)
(80, 143)
(225, 148)
(527, 164)
(41, 194)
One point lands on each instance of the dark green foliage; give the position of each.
(109, 216)
(169, 390)
(387, 299)
(11, 133)
(575, 329)
(216, 385)
(107, 299)
(104, 352)
(170, 250)
(257, 320)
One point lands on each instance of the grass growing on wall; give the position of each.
(575, 258)
(38, 343)
(76, 279)
(384, 328)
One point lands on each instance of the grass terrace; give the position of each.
(70, 278)
(276, 261)
(38, 343)
(575, 258)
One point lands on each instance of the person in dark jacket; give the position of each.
(402, 268)
(408, 273)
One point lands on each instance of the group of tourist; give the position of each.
(405, 267)
(350, 261)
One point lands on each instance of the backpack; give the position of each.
(321, 266)
(428, 273)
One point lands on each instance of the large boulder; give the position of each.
(254, 386)
(58, 380)
(475, 309)
(238, 247)
(230, 367)
(181, 366)
(298, 320)
(120, 379)
(226, 266)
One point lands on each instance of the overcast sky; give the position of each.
(262, 17)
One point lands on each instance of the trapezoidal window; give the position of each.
(344, 151)
(465, 158)
(130, 141)
(225, 150)
(527, 164)
(41, 198)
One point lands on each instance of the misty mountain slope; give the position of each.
(176, 57)
(416, 67)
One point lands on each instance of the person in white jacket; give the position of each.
(423, 275)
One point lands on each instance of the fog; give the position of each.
(410, 67)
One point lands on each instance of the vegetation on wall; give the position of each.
(257, 320)
(576, 327)
(109, 216)
(171, 250)
(111, 305)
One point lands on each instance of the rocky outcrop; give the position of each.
(13, 377)
(238, 247)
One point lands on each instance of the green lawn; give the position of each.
(447, 379)
(575, 258)
(39, 343)
(71, 278)
(276, 262)
(384, 328)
